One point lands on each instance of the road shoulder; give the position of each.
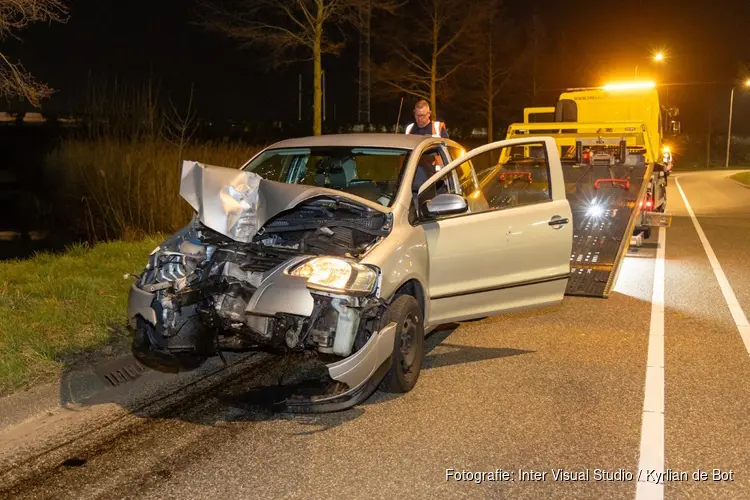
(46, 433)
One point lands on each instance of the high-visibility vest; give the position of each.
(435, 128)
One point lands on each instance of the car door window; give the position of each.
(466, 174)
(430, 162)
(503, 177)
(466, 179)
(520, 176)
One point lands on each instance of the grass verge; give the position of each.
(57, 307)
(743, 177)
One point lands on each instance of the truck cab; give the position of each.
(617, 102)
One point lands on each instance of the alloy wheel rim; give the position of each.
(407, 344)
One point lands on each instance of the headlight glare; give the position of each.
(335, 274)
(595, 209)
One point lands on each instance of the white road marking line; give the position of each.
(734, 306)
(652, 425)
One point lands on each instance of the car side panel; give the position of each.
(479, 305)
(498, 261)
(536, 250)
(476, 259)
(465, 252)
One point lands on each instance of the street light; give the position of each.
(658, 57)
(729, 132)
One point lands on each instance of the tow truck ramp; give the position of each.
(605, 211)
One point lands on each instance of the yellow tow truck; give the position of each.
(616, 162)
(539, 114)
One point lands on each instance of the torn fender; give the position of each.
(356, 369)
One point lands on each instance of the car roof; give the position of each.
(375, 140)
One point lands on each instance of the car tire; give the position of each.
(408, 345)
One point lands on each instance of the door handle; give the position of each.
(558, 221)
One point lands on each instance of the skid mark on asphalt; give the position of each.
(652, 427)
(740, 320)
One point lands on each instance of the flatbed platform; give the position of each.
(603, 222)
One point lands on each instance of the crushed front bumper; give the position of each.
(359, 374)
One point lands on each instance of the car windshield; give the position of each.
(371, 173)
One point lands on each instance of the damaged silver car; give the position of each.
(350, 246)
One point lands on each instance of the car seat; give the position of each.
(330, 173)
(350, 170)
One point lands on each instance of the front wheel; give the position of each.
(408, 345)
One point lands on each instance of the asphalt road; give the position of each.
(561, 388)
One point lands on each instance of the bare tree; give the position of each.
(16, 15)
(287, 27)
(180, 128)
(422, 52)
(494, 58)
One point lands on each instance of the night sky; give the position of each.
(138, 38)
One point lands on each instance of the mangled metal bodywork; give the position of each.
(268, 266)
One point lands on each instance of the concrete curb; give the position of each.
(22, 405)
(45, 432)
(746, 186)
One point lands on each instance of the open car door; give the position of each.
(498, 229)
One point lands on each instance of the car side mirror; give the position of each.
(445, 204)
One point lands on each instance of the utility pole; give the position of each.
(708, 140)
(536, 42)
(363, 106)
(299, 99)
(729, 132)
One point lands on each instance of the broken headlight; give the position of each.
(336, 275)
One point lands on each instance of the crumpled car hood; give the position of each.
(237, 203)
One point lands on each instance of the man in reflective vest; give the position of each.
(423, 125)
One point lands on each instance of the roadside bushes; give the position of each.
(118, 176)
(124, 189)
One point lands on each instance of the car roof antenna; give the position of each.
(398, 120)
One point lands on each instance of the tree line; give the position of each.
(465, 55)
(471, 59)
